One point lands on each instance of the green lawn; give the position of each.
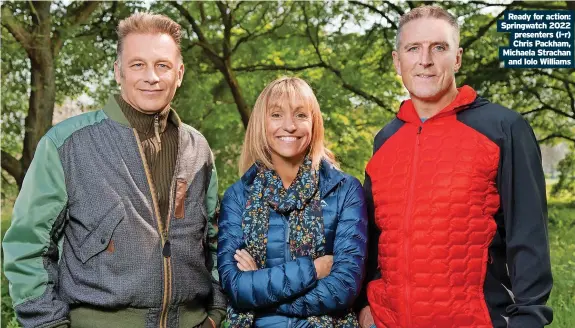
(562, 240)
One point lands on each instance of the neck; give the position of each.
(286, 169)
(138, 109)
(427, 108)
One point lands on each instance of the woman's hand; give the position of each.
(365, 318)
(323, 266)
(245, 261)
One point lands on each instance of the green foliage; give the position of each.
(562, 244)
(343, 49)
(566, 168)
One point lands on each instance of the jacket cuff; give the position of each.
(527, 321)
(57, 324)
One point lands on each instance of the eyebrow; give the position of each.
(143, 60)
(443, 43)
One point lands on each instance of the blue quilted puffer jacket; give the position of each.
(287, 291)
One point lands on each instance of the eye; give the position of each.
(137, 65)
(275, 115)
(412, 49)
(163, 66)
(439, 47)
(301, 115)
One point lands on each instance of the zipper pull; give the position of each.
(167, 251)
(418, 133)
(157, 129)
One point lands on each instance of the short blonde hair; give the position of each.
(427, 11)
(256, 147)
(146, 23)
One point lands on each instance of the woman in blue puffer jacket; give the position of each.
(292, 231)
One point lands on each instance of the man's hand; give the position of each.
(245, 261)
(365, 318)
(323, 266)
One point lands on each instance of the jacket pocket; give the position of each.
(99, 238)
(181, 192)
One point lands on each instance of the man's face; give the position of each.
(150, 72)
(427, 58)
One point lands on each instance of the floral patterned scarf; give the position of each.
(307, 238)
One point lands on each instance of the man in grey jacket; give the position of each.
(114, 225)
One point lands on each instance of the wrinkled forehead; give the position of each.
(289, 96)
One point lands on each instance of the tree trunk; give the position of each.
(241, 104)
(42, 84)
(41, 106)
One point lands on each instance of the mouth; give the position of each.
(288, 138)
(426, 76)
(150, 91)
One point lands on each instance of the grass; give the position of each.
(562, 243)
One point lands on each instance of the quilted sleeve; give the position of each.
(31, 243)
(261, 288)
(339, 289)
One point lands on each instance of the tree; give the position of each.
(59, 49)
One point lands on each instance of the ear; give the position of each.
(458, 59)
(117, 73)
(180, 74)
(395, 56)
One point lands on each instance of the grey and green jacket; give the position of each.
(86, 230)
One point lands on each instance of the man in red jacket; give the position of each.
(456, 194)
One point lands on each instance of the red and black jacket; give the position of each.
(458, 220)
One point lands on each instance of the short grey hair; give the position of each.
(426, 12)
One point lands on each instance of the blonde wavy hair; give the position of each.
(284, 89)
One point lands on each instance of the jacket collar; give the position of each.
(465, 96)
(329, 177)
(114, 112)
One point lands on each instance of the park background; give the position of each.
(57, 61)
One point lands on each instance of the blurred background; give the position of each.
(57, 62)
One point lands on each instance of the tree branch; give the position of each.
(337, 72)
(549, 107)
(395, 7)
(556, 136)
(310, 37)
(542, 5)
(536, 110)
(204, 43)
(481, 32)
(77, 17)
(253, 36)
(227, 20)
(560, 78)
(374, 9)
(277, 68)
(570, 97)
(11, 165)
(17, 30)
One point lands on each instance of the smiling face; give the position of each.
(427, 59)
(288, 130)
(150, 71)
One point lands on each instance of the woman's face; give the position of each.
(288, 131)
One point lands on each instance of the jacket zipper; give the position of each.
(287, 250)
(157, 130)
(406, 226)
(163, 232)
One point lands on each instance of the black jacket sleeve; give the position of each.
(371, 267)
(523, 201)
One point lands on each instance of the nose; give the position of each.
(426, 59)
(151, 77)
(288, 124)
